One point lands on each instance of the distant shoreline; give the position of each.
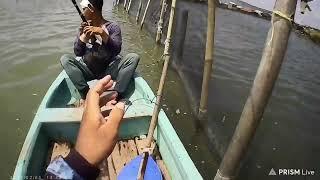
(309, 32)
(246, 10)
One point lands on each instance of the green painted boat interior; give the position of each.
(64, 94)
(56, 120)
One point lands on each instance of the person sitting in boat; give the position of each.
(98, 45)
(96, 139)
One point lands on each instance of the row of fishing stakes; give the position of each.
(160, 23)
(139, 11)
(126, 5)
(266, 76)
(163, 4)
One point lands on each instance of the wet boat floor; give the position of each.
(123, 153)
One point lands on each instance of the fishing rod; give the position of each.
(79, 11)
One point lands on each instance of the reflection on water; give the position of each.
(33, 36)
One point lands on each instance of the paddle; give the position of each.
(79, 11)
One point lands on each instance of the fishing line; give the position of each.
(130, 103)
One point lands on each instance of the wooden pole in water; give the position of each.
(166, 55)
(156, 110)
(208, 59)
(125, 4)
(128, 8)
(139, 11)
(160, 23)
(268, 71)
(144, 14)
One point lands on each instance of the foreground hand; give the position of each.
(98, 135)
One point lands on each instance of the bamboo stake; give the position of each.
(166, 55)
(128, 8)
(144, 14)
(268, 71)
(156, 110)
(125, 4)
(160, 23)
(139, 11)
(208, 59)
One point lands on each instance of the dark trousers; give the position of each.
(121, 71)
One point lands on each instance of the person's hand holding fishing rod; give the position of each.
(83, 36)
(91, 25)
(87, 31)
(94, 30)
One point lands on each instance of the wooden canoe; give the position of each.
(55, 120)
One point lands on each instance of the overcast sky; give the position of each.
(308, 18)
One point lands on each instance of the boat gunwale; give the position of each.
(28, 145)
